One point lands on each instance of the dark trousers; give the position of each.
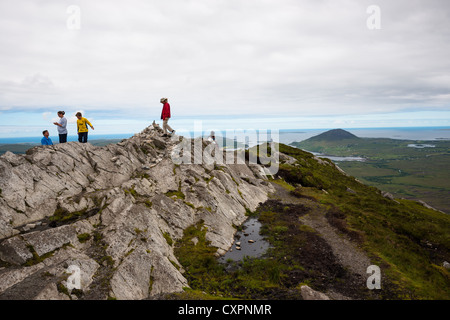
(63, 138)
(82, 137)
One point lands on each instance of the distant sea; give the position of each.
(403, 133)
(287, 136)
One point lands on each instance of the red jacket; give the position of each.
(165, 111)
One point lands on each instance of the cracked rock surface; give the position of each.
(108, 212)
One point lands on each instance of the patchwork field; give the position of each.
(420, 172)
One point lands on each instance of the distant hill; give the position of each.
(329, 141)
(392, 165)
(334, 135)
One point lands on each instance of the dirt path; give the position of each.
(347, 253)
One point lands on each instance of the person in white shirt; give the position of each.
(62, 127)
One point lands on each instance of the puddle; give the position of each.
(250, 242)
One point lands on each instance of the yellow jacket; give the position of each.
(82, 125)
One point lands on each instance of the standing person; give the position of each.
(213, 136)
(62, 127)
(165, 116)
(46, 141)
(82, 128)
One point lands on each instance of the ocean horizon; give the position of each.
(285, 135)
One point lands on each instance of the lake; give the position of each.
(421, 146)
(334, 158)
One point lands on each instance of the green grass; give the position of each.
(169, 240)
(395, 234)
(178, 194)
(83, 237)
(205, 274)
(36, 259)
(132, 191)
(394, 167)
(276, 275)
(284, 184)
(62, 215)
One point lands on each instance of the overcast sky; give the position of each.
(290, 59)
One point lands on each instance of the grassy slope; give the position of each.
(407, 239)
(394, 167)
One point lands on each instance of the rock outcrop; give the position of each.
(310, 294)
(109, 212)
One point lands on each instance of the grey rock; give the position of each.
(14, 250)
(159, 143)
(122, 213)
(13, 276)
(349, 190)
(310, 294)
(51, 239)
(426, 205)
(29, 226)
(387, 195)
(51, 292)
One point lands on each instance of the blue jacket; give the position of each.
(46, 141)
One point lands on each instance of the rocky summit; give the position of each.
(107, 217)
(146, 218)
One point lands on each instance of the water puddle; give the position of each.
(248, 242)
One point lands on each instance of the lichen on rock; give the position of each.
(109, 211)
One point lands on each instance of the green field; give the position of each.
(392, 166)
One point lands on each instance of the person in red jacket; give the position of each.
(165, 116)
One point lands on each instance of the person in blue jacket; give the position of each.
(46, 141)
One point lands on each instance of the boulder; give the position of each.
(51, 239)
(112, 209)
(14, 250)
(310, 294)
(387, 195)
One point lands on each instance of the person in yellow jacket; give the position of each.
(82, 128)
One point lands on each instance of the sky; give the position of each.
(280, 64)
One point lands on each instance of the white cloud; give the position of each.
(46, 115)
(262, 57)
